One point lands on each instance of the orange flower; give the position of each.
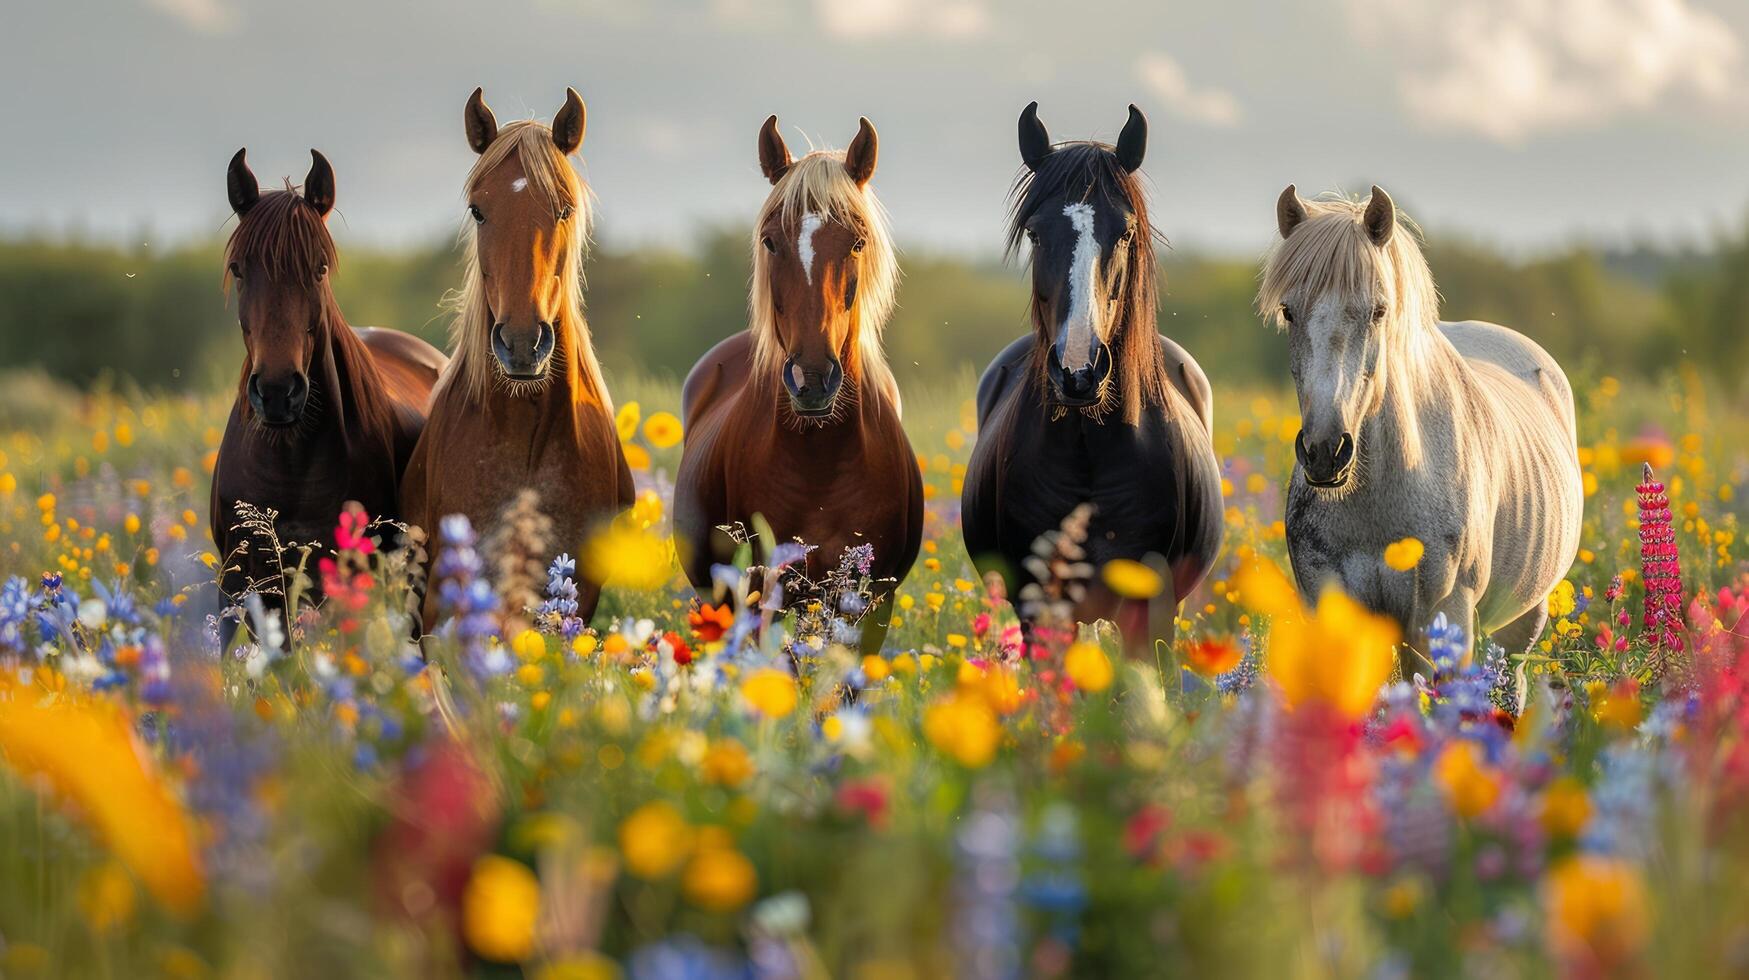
(709, 623)
(1211, 658)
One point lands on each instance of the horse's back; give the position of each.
(1486, 344)
(410, 367)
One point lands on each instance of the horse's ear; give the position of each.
(1381, 216)
(240, 185)
(319, 185)
(1132, 143)
(774, 158)
(482, 126)
(1289, 211)
(859, 160)
(1035, 141)
(568, 124)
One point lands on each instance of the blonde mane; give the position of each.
(472, 364)
(819, 184)
(1329, 251)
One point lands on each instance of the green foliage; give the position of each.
(82, 310)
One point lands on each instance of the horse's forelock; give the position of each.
(1330, 252)
(286, 235)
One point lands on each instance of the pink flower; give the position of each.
(1659, 566)
(351, 533)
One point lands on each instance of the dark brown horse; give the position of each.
(1094, 406)
(797, 417)
(523, 403)
(324, 413)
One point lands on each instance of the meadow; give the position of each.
(671, 791)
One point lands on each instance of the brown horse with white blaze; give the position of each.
(796, 418)
(523, 403)
(324, 413)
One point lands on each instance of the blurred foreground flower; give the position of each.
(628, 556)
(1088, 666)
(963, 725)
(85, 755)
(1405, 554)
(1598, 914)
(654, 839)
(1131, 579)
(500, 909)
(1337, 655)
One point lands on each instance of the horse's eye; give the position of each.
(322, 273)
(858, 246)
(236, 272)
(770, 246)
(479, 216)
(566, 212)
(1378, 313)
(1287, 313)
(1032, 236)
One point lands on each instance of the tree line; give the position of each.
(82, 310)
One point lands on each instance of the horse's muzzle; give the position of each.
(812, 393)
(1325, 465)
(277, 403)
(1080, 388)
(524, 358)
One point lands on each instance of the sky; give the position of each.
(1525, 123)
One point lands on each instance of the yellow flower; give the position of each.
(637, 457)
(106, 898)
(1262, 588)
(647, 509)
(1565, 808)
(84, 753)
(529, 645)
(1618, 706)
(726, 763)
(626, 421)
(580, 966)
(1089, 667)
(530, 675)
(1131, 579)
(584, 644)
(1596, 910)
(719, 878)
(963, 726)
(1405, 554)
(500, 909)
(1562, 601)
(46, 503)
(1470, 786)
(654, 839)
(628, 556)
(770, 691)
(662, 429)
(1338, 656)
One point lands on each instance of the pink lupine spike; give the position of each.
(1659, 567)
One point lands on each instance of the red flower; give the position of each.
(866, 798)
(350, 534)
(682, 652)
(1141, 832)
(1212, 658)
(709, 623)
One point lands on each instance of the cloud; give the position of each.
(1165, 77)
(858, 20)
(1506, 69)
(203, 16)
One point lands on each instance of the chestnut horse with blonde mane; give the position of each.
(796, 419)
(523, 403)
(324, 413)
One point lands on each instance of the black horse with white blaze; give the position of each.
(1094, 406)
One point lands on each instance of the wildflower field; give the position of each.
(687, 790)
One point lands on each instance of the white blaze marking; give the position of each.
(805, 244)
(518, 184)
(1078, 330)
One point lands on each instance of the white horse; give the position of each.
(1460, 435)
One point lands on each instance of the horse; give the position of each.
(1094, 405)
(796, 418)
(1460, 435)
(325, 413)
(523, 403)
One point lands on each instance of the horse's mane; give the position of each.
(1329, 251)
(472, 365)
(289, 238)
(819, 184)
(1091, 171)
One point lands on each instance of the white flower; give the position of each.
(93, 613)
